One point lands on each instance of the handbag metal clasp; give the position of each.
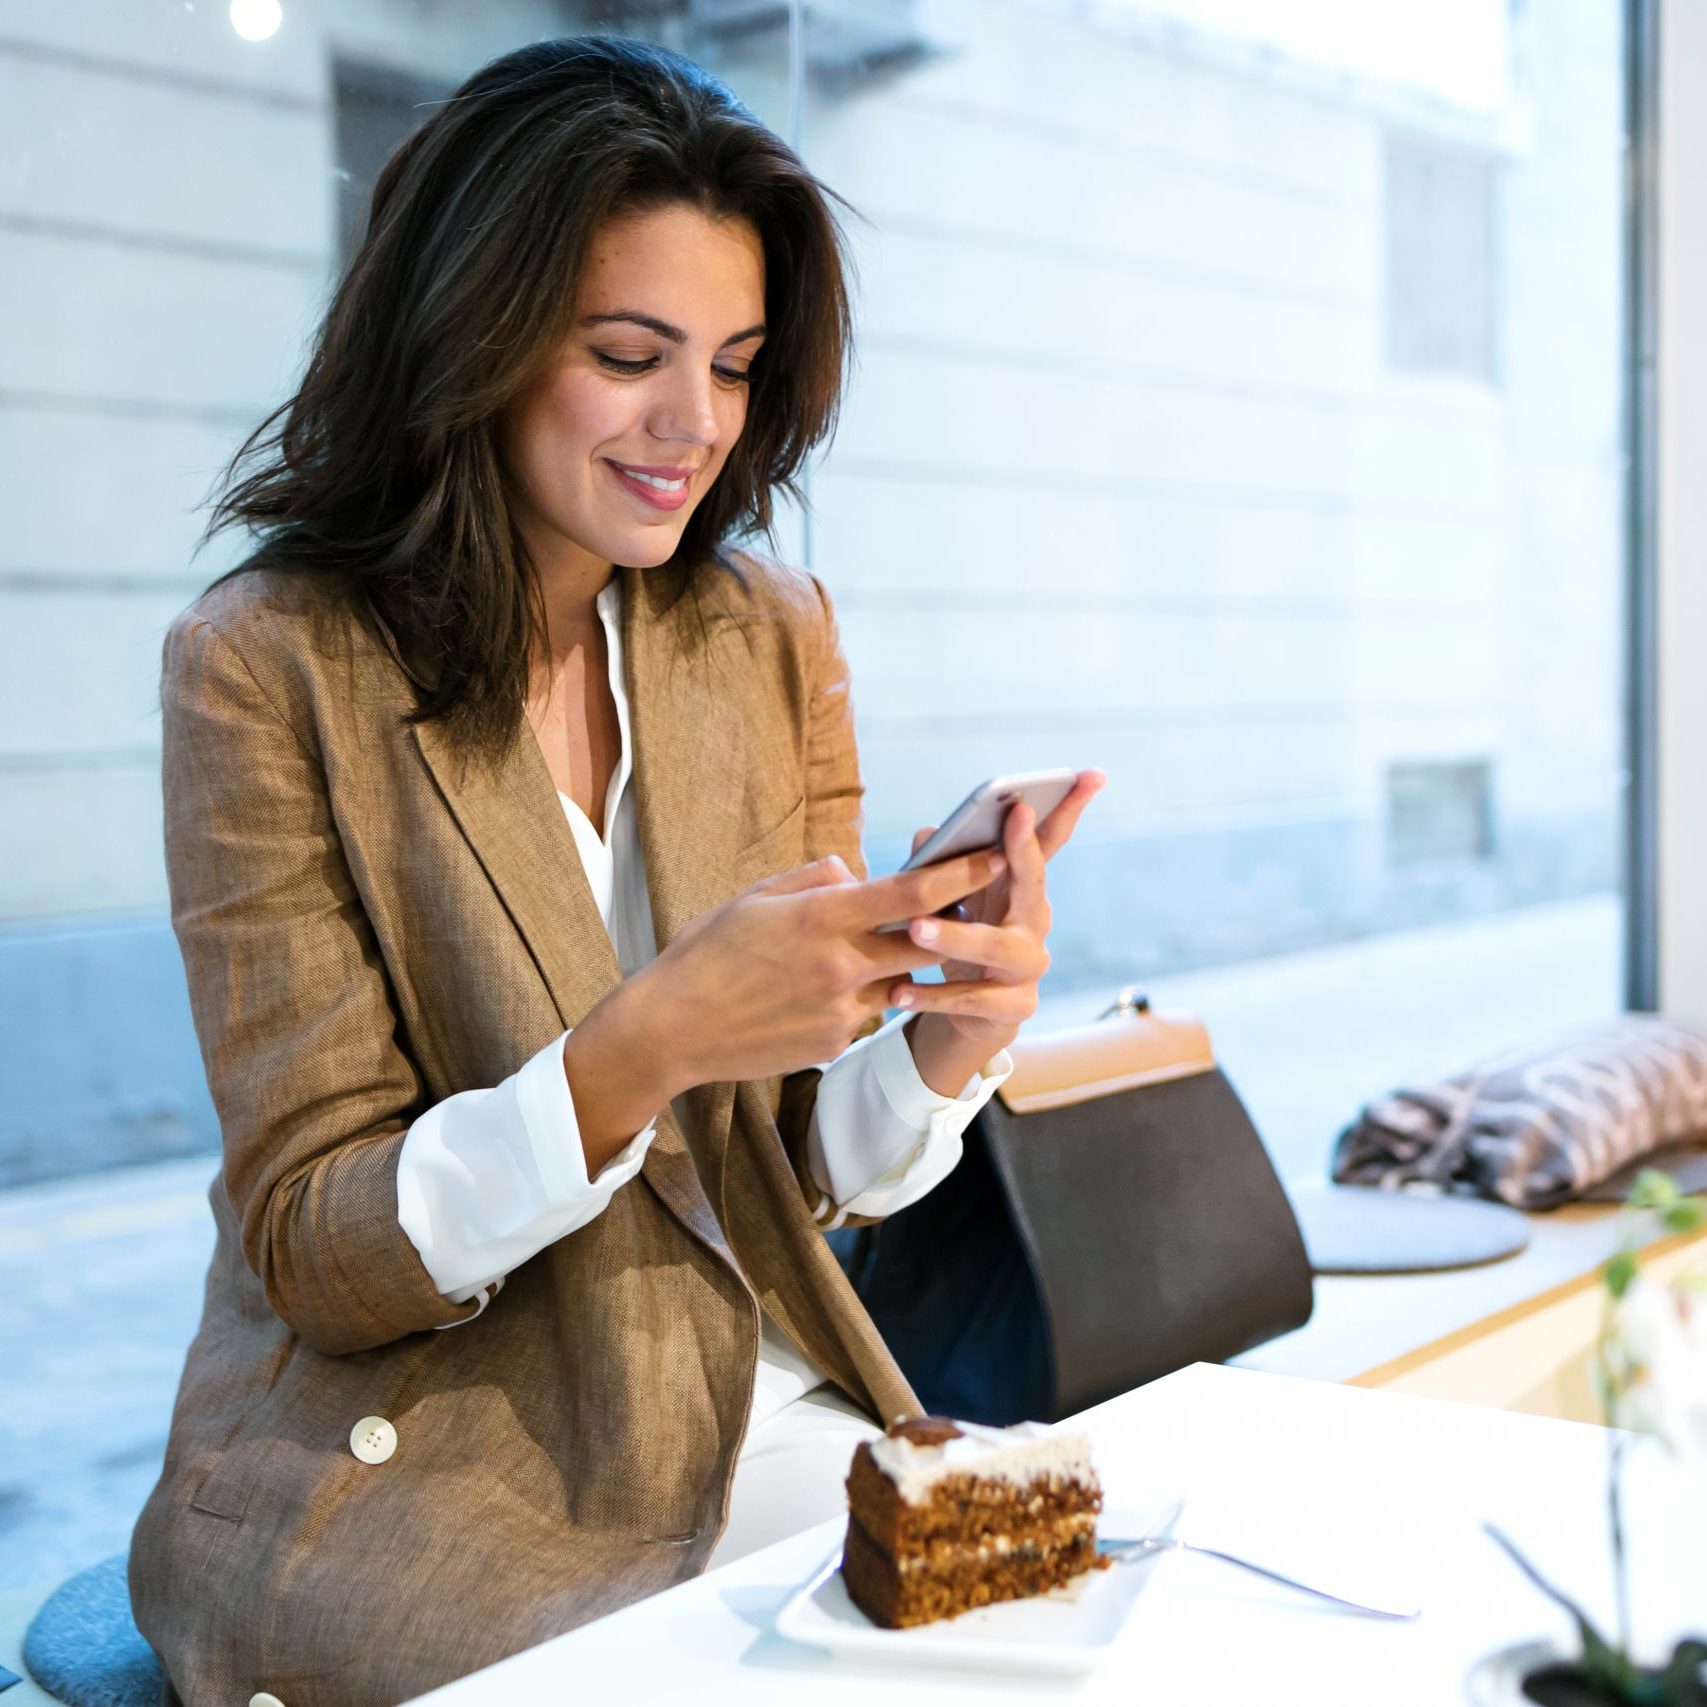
(1131, 1000)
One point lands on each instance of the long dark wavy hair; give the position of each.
(384, 468)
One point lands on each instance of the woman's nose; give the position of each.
(688, 412)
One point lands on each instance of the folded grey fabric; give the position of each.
(1539, 1123)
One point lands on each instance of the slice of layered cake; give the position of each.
(944, 1516)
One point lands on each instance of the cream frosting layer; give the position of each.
(1025, 1453)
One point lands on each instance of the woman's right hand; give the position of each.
(780, 977)
(784, 975)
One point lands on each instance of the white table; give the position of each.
(1297, 1473)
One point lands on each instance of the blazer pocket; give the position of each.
(776, 849)
(226, 1489)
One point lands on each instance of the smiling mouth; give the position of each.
(662, 490)
(654, 480)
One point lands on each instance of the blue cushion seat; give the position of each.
(84, 1648)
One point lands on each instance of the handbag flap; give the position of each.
(1129, 1049)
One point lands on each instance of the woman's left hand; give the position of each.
(996, 952)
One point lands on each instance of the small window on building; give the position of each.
(377, 107)
(1441, 285)
(1440, 810)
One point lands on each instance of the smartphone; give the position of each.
(976, 823)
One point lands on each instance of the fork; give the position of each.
(1123, 1552)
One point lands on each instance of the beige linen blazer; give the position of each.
(368, 926)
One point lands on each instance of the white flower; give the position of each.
(1654, 1361)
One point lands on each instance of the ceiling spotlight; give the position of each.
(255, 20)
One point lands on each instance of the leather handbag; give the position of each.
(1115, 1217)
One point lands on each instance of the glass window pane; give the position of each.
(1237, 409)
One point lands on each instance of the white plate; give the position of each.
(1066, 1631)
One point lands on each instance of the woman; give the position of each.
(515, 1031)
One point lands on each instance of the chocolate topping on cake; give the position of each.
(925, 1431)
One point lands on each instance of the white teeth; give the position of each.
(654, 480)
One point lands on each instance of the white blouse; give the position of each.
(488, 1178)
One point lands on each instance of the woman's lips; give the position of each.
(657, 496)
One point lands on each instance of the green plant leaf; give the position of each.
(1653, 1190)
(1608, 1668)
(1620, 1271)
(1684, 1216)
(1603, 1662)
(1681, 1683)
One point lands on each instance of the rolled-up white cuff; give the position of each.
(488, 1178)
(880, 1137)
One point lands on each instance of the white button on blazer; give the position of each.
(373, 1440)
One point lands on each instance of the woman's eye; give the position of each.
(645, 364)
(617, 365)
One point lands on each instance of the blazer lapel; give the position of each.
(513, 820)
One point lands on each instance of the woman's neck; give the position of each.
(570, 581)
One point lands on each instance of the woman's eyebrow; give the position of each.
(664, 329)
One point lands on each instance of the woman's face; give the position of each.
(615, 444)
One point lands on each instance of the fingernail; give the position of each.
(998, 864)
(905, 999)
(925, 930)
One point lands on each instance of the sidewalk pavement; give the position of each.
(101, 1277)
(100, 1293)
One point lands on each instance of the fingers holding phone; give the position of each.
(1059, 803)
(1058, 825)
(996, 955)
(1000, 938)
